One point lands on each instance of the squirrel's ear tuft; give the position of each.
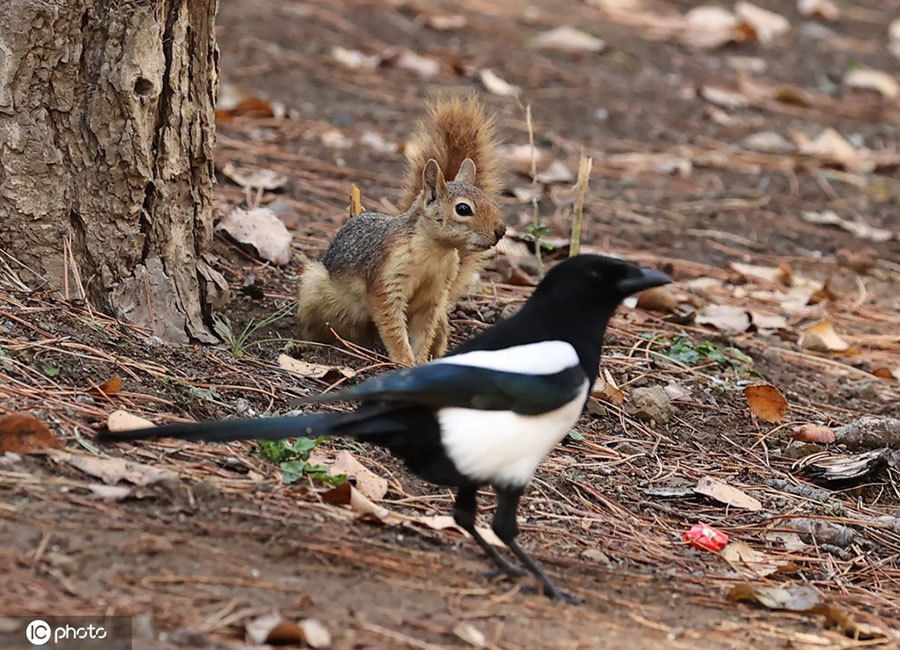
(466, 171)
(432, 181)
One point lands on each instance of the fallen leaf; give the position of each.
(120, 420)
(495, 84)
(660, 299)
(821, 337)
(749, 562)
(766, 24)
(421, 65)
(813, 433)
(262, 229)
(446, 22)
(556, 172)
(109, 387)
(764, 321)
(605, 388)
(822, 9)
(723, 97)
(362, 478)
(708, 27)
(273, 628)
(768, 142)
(567, 39)
(110, 492)
(823, 294)
(470, 634)
(887, 373)
(724, 493)
(659, 163)
(314, 633)
(322, 371)
(443, 522)
(113, 470)
(766, 402)
(369, 510)
(727, 318)
(799, 598)
(354, 59)
(255, 178)
(868, 79)
(23, 433)
(831, 147)
(774, 274)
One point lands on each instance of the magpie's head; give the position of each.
(600, 280)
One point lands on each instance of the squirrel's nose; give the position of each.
(499, 231)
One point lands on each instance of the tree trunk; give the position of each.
(106, 140)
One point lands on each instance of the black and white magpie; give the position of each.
(488, 412)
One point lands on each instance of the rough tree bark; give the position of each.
(106, 138)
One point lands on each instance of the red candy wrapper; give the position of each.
(705, 537)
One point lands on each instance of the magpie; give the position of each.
(485, 414)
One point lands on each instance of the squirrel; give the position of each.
(394, 277)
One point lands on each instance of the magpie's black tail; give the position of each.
(357, 423)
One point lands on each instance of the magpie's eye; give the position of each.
(463, 209)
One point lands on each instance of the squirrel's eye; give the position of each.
(463, 209)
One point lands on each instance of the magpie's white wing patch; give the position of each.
(503, 447)
(543, 358)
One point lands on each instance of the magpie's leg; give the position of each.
(464, 515)
(505, 526)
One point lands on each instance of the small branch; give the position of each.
(581, 187)
(870, 433)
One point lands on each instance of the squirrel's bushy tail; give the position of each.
(456, 128)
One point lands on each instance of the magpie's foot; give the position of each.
(508, 570)
(556, 593)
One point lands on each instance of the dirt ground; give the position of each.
(223, 541)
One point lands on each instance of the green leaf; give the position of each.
(574, 435)
(684, 351)
(50, 371)
(273, 450)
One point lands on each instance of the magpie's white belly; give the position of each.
(503, 447)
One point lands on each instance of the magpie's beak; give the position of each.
(644, 279)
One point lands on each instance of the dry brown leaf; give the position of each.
(813, 433)
(768, 142)
(658, 299)
(262, 229)
(775, 274)
(727, 318)
(443, 522)
(790, 541)
(822, 9)
(322, 371)
(766, 402)
(867, 79)
(120, 420)
(749, 562)
(109, 387)
(799, 598)
(887, 373)
(567, 39)
(823, 294)
(858, 228)
(315, 634)
(273, 628)
(724, 493)
(362, 478)
(23, 433)
(113, 470)
(766, 24)
(821, 337)
(605, 388)
(497, 85)
(764, 321)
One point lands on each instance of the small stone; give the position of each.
(595, 408)
(650, 403)
(596, 555)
